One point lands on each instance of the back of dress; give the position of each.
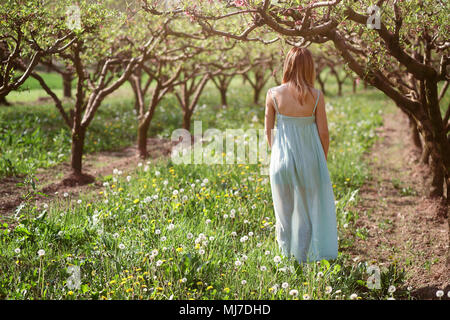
(302, 192)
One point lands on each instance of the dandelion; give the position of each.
(175, 192)
(391, 289)
(306, 296)
(147, 199)
(237, 263)
(277, 259)
(267, 252)
(225, 216)
(65, 194)
(45, 206)
(263, 268)
(243, 282)
(353, 296)
(226, 290)
(170, 226)
(208, 221)
(115, 235)
(154, 252)
(79, 201)
(157, 231)
(205, 180)
(121, 246)
(328, 289)
(440, 293)
(244, 257)
(157, 173)
(163, 238)
(201, 251)
(189, 235)
(320, 274)
(234, 234)
(183, 280)
(41, 252)
(285, 285)
(17, 250)
(250, 234)
(158, 263)
(128, 178)
(293, 292)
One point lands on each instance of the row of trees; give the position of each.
(111, 47)
(404, 52)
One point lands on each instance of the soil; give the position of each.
(401, 222)
(51, 181)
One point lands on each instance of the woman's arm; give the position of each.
(322, 125)
(269, 118)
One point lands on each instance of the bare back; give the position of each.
(289, 105)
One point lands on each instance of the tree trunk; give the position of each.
(67, 85)
(4, 102)
(78, 136)
(187, 120)
(257, 92)
(339, 88)
(223, 96)
(415, 135)
(142, 138)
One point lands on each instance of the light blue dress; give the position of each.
(302, 193)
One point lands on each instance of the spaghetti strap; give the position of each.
(274, 100)
(316, 103)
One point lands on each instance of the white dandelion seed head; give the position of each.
(293, 292)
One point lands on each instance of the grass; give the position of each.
(191, 231)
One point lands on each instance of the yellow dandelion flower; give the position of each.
(226, 290)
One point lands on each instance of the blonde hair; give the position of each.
(299, 71)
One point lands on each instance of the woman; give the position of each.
(302, 193)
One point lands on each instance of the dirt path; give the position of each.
(97, 164)
(400, 222)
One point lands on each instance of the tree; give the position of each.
(102, 63)
(28, 33)
(405, 57)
